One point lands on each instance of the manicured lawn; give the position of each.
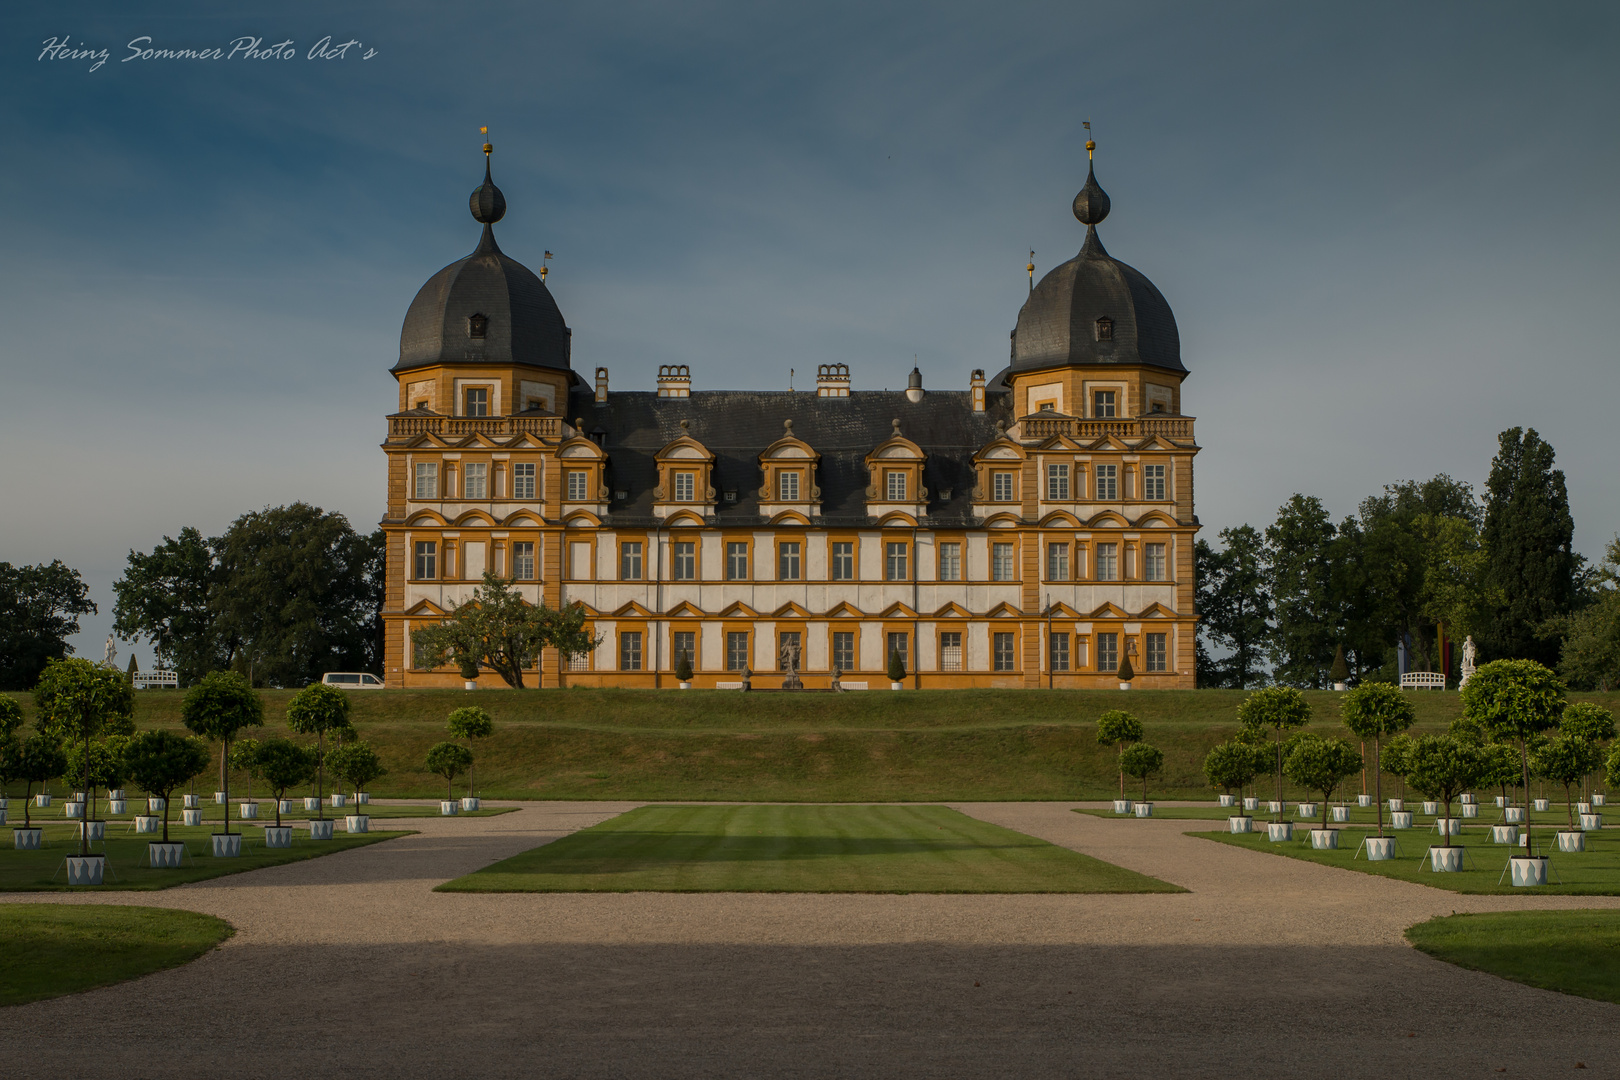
(1554, 818)
(213, 814)
(1572, 952)
(47, 950)
(1594, 872)
(41, 870)
(865, 849)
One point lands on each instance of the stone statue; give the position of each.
(789, 655)
(1470, 653)
(838, 680)
(110, 656)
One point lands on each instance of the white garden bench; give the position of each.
(145, 680)
(1423, 680)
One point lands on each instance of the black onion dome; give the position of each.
(521, 323)
(1095, 309)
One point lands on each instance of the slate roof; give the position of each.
(737, 426)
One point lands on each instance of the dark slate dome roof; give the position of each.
(1058, 324)
(523, 324)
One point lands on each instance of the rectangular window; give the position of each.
(1001, 487)
(895, 564)
(576, 487)
(895, 482)
(1153, 482)
(478, 401)
(1059, 652)
(475, 481)
(843, 657)
(1057, 482)
(684, 560)
(787, 562)
(950, 651)
(1001, 562)
(950, 562)
(1107, 652)
(1057, 562)
(737, 561)
(523, 561)
(1153, 562)
(1004, 657)
(784, 639)
(1107, 562)
(1157, 653)
(630, 561)
(427, 480)
(736, 650)
(685, 486)
(843, 561)
(1107, 483)
(630, 650)
(683, 643)
(897, 644)
(427, 560)
(523, 481)
(419, 657)
(787, 486)
(1102, 404)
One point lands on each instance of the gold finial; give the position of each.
(489, 147)
(548, 255)
(1090, 143)
(1031, 269)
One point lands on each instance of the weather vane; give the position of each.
(489, 147)
(548, 255)
(1090, 143)
(1031, 269)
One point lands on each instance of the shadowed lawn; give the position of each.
(867, 849)
(47, 950)
(1572, 952)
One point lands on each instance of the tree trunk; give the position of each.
(1119, 753)
(1378, 787)
(225, 786)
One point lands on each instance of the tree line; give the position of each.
(1307, 602)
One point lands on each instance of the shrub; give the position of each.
(449, 760)
(1319, 764)
(1140, 761)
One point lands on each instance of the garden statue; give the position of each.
(790, 664)
(1470, 653)
(110, 657)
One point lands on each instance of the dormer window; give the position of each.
(1105, 329)
(685, 486)
(895, 483)
(477, 325)
(787, 484)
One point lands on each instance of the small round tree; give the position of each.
(897, 666)
(284, 764)
(1141, 760)
(449, 760)
(106, 767)
(470, 723)
(220, 705)
(1281, 708)
(10, 762)
(39, 758)
(1516, 700)
(1375, 711)
(245, 760)
(1397, 754)
(1567, 760)
(683, 667)
(1119, 728)
(1590, 721)
(1230, 765)
(1319, 764)
(1339, 672)
(315, 710)
(1443, 767)
(161, 760)
(357, 763)
(78, 700)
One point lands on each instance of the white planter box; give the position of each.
(363, 799)
(1278, 831)
(156, 806)
(1470, 810)
(165, 856)
(1122, 806)
(1324, 839)
(686, 686)
(148, 823)
(1341, 813)
(1446, 860)
(357, 823)
(1250, 802)
(191, 802)
(1124, 686)
(1501, 801)
(97, 829)
(1305, 809)
(1571, 841)
(1583, 808)
(227, 845)
(471, 803)
(73, 810)
(1430, 808)
(1599, 799)
(1401, 819)
(248, 810)
(1448, 826)
(1505, 834)
(278, 836)
(219, 798)
(85, 869)
(1528, 871)
(340, 800)
(285, 806)
(1364, 800)
(1467, 798)
(469, 684)
(1540, 805)
(3, 813)
(901, 686)
(1144, 809)
(42, 800)
(1228, 800)
(78, 796)
(1397, 805)
(1380, 848)
(448, 807)
(320, 828)
(115, 793)
(312, 803)
(117, 806)
(1513, 815)
(27, 839)
(1591, 822)
(1240, 824)
(1275, 807)
(191, 817)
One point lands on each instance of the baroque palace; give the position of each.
(1032, 529)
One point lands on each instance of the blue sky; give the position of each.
(1386, 229)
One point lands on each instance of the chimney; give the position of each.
(601, 385)
(914, 390)
(976, 389)
(674, 380)
(832, 380)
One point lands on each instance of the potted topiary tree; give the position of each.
(468, 667)
(77, 699)
(683, 670)
(1281, 708)
(1119, 728)
(11, 718)
(449, 760)
(1339, 672)
(1397, 756)
(315, 710)
(1319, 764)
(360, 765)
(284, 764)
(105, 768)
(1443, 767)
(1593, 723)
(897, 670)
(1230, 765)
(221, 704)
(39, 758)
(470, 723)
(1517, 700)
(1140, 761)
(160, 761)
(1568, 760)
(1375, 711)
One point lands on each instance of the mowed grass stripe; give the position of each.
(815, 848)
(1572, 952)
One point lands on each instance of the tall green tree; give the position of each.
(79, 701)
(1281, 708)
(217, 708)
(1234, 607)
(1378, 711)
(1589, 658)
(1308, 614)
(39, 610)
(1517, 701)
(164, 597)
(498, 629)
(316, 710)
(1530, 571)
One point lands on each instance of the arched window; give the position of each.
(1105, 329)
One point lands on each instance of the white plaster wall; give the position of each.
(976, 641)
(606, 656)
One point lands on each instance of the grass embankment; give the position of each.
(47, 950)
(41, 870)
(1572, 952)
(844, 849)
(856, 747)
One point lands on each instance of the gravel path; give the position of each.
(350, 966)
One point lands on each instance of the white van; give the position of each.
(352, 680)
